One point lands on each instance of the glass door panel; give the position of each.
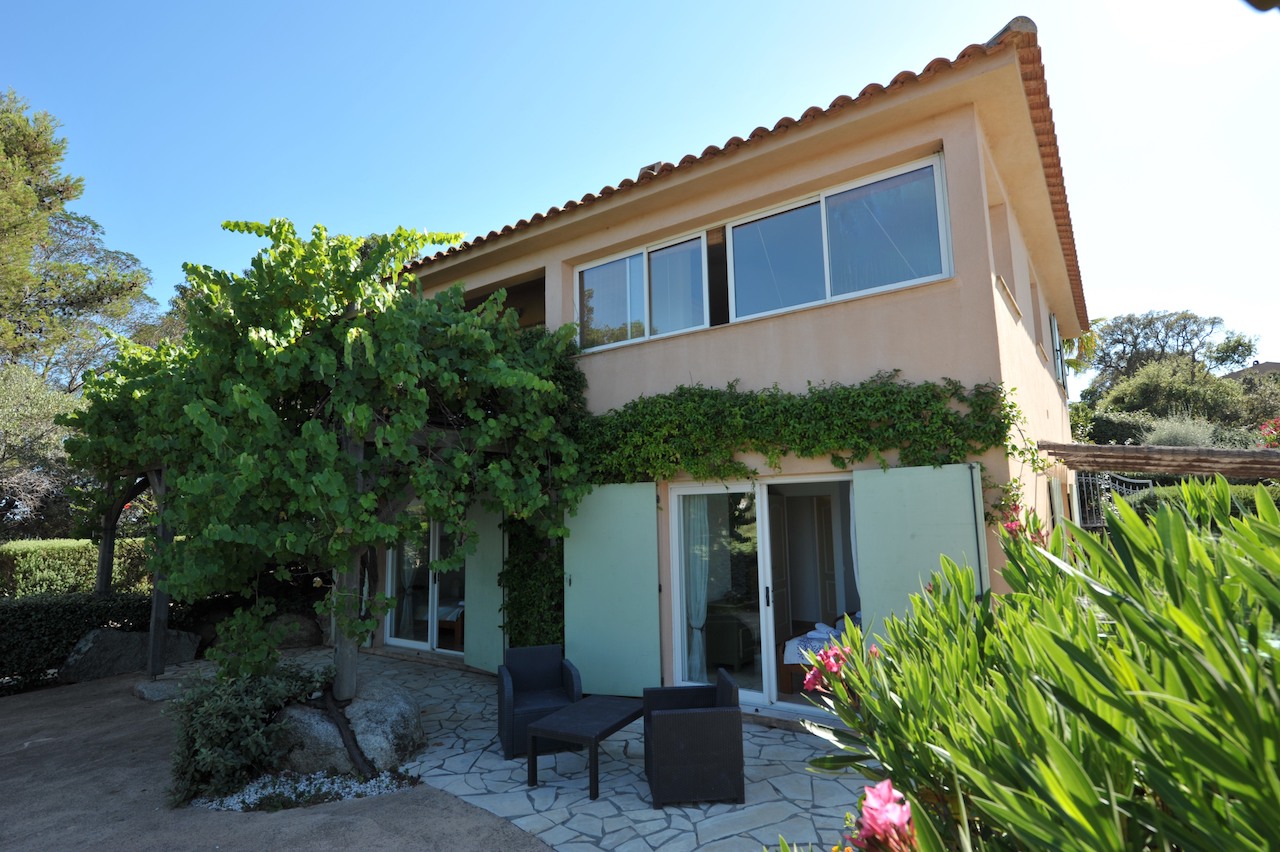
(720, 581)
(409, 578)
(428, 605)
(450, 600)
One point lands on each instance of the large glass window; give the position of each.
(884, 233)
(881, 233)
(676, 292)
(611, 297)
(888, 231)
(777, 262)
(657, 291)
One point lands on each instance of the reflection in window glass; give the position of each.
(612, 301)
(450, 600)
(777, 262)
(721, 585)
(675, 287)
(884, 233)
(411, 587)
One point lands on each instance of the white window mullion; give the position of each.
(826, 247)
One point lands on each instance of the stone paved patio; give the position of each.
(462, 757)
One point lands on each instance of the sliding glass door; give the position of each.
(428, 606)
(760, 570)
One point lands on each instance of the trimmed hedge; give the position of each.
(1120, 427)
(1243, 499)
(69, 565)
(41, 630)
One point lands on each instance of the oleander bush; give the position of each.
(69, 565)
(1122, 696)
(228, 731)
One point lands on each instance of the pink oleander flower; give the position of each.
(885, 823)
(832, 659)
(813, 679)
(873, 652)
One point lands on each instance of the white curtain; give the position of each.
(697, 568)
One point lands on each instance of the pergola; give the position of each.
(1240, 464)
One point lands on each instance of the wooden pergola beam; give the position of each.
(1243, 464)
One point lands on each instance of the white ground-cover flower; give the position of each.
(290, 790)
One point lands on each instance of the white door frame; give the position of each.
(767, 697)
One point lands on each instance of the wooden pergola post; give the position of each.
(159, 599)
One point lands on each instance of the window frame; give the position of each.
(941, 206)
(643, 253)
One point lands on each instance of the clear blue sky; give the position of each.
(469, 117)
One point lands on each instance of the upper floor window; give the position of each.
(777, 262)
(654, 292)
(886, 231)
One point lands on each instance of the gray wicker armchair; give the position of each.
(532, 682)
(693, 743)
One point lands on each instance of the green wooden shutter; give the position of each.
(611, 627)
(484, 639)
(904, 520)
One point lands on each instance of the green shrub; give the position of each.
(40, 631)
(1122, 696)
(1120, 427)
(1180, 430)
(69, 565)
(228, 730)
(1243, 499)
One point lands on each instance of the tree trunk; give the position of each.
(159, 599)
(107, 546)
(346, 590)
(346, 587)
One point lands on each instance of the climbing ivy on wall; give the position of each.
(532, 580)
(701, 430)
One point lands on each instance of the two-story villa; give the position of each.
(921, 226)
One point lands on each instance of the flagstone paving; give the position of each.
(462, 757)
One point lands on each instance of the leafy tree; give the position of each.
(33, 466)
(1178, 386)
(1261, 397)
(1127, 343)
(313, 399)
(57, 278)
(104, 296)
(32, 188)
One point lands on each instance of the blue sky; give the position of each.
(469, 117)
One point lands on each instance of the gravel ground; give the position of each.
(87, 767)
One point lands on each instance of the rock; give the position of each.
(301, 631)
(386, 722)
(103, 652)
(383, 717)
(314, 742)
(158, 690)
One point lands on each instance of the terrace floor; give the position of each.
(462, 757)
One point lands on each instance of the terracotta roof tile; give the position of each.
(1019, 35)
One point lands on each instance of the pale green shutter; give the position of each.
(611, 626)
(904, 520)
(483, 625)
